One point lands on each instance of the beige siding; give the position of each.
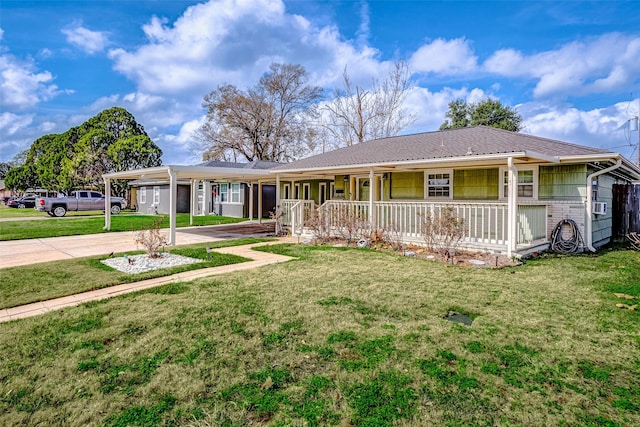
(475, 184)
(566, 182)
(407, 185)
(559, 211)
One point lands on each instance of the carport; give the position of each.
(194, 174)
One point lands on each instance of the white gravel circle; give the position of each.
(134, 264)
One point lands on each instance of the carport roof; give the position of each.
(193, 172)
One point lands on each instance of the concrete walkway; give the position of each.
(31, 251)
(258, 258)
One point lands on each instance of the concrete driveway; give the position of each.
(31, 251)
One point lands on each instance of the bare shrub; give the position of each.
(315, 220)
(393, 236)
(348, 223)
(442, 233)
(277, 215)
(152, 239)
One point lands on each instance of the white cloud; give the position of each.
(11, 123)
(598, 65)
(599, 127)
(87, 40)
(446, 57)
(430, 107)
(22, 85)
(234, 41)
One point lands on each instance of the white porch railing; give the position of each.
(295, 213)
(485, 222)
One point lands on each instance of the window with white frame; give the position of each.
(438, 183)
(156, 195)
(142, 195)
(527, 183)
(235, 193)
(224, 193)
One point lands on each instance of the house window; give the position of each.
(235, 193)
(594, 189)
(527, 187)
(287, 191)
(156, 195)
(439, 184)
(224, 193)
(143, 195)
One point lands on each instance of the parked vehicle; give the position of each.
(28, 201)
(81, 200)
(6, 199)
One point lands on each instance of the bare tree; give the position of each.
(356, 115)
(269, 121)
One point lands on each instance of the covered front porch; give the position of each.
(486, 224)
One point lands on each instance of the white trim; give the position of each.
(332, 190)
(296, 191)
(428, 172)
(156, 195)
(286, 190)
(322, 192)
(142, 195)
(306, 191)
(521, 168)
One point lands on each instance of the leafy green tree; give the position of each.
(109, 142)
(21, 178)
(489, 112)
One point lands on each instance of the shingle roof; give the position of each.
(465, 142)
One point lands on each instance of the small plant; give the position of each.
(151, 238)
(442, 232)
(277, 215)
(315, 220)
(393, 236)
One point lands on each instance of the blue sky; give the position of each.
(572, 69)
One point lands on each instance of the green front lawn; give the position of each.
(340, 337)
(54, 227)
(39, 282)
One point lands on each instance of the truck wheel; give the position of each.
(59, 211)
(115, 210)
(50, 213)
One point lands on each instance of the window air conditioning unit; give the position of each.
(600, 208)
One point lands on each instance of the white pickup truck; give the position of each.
(81, 200)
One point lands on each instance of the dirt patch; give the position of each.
(462, 258)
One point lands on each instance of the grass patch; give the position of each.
(56, 227)
(288, 345)
(39, 282)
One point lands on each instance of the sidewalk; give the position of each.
(258, 258)
(31, 251)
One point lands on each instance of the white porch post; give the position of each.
(259, 202)
(512, 207)
(192, 205)
(277, 201)
(372, 197)
(352, 196)
(251, 202)
(206, 196)
(107, 204)
(173, 202)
